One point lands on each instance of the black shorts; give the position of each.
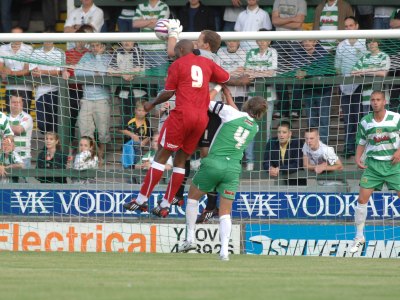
(212, 127)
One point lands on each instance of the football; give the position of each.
(161, 29)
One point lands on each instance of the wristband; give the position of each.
(218, 88)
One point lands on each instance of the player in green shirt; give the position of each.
(221, 169)
(378, 138)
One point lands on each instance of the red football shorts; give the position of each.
(183, 130)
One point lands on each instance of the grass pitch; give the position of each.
(33, 275)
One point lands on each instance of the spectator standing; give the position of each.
(16, 66)
(283, 157)
(125, 20)
(5, 128)
(125, 62)
(196, 17)
(365, 16)
(146, 17)
(233, 58)
(317, 156)
(231, 14)
(348, 52)
(46, 95)
(87, 13)
(95, 108)
(382, 16)
(287, 15)
(316, 97)
(330, 15)
(51, 157)
(252, 19)
(5, 15)
(48, 14)
(373, 63)
(21, 124)
(395, 19)
(263, 62)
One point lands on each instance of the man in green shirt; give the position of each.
(378, 139)
(221, 169)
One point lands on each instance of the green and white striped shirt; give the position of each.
(381, 139)
(23, 141)
(145, 11)
(377, 62)
(5, 128)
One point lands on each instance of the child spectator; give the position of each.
(51, 157)
(9, 159)
(138, 131)
(86, 158)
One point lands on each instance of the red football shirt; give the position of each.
(189, 76)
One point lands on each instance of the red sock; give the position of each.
(174, 183)
(153, 176)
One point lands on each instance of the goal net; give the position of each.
(81, 143)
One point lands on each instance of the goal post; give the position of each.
(63, 206)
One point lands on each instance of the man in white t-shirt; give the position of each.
(252, 19)
(46, 95)
(87, 13)
(16, 66)
(21, 124)
(317, 156)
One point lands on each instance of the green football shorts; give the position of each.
(218, 173)
(380, 172)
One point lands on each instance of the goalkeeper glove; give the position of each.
(174, 28)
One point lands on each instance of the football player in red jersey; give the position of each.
(188, 78)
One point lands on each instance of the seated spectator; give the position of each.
(46, 95)
(125, 62)
(147, 159)
(16, 66)
(21, 125)
(252, 19)
(317, 156)
(72, 57)
(283, 156)
(145, 19)
(196, 17)
(263, 62)
(373, 63)
(86, 158)
(9, 159)
(395, 19)
(95, 109)
(139, 131)
(87, 13)
(51, 157)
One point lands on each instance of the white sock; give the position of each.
(165, 203)
(141, 199)
(225, 227)
(360, 216)
(192, 208)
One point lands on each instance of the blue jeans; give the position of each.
(229, 26)
(381, 23)
(6, 22)
(250, 152)
(350, 105)
(317, 100)
(46, 112)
